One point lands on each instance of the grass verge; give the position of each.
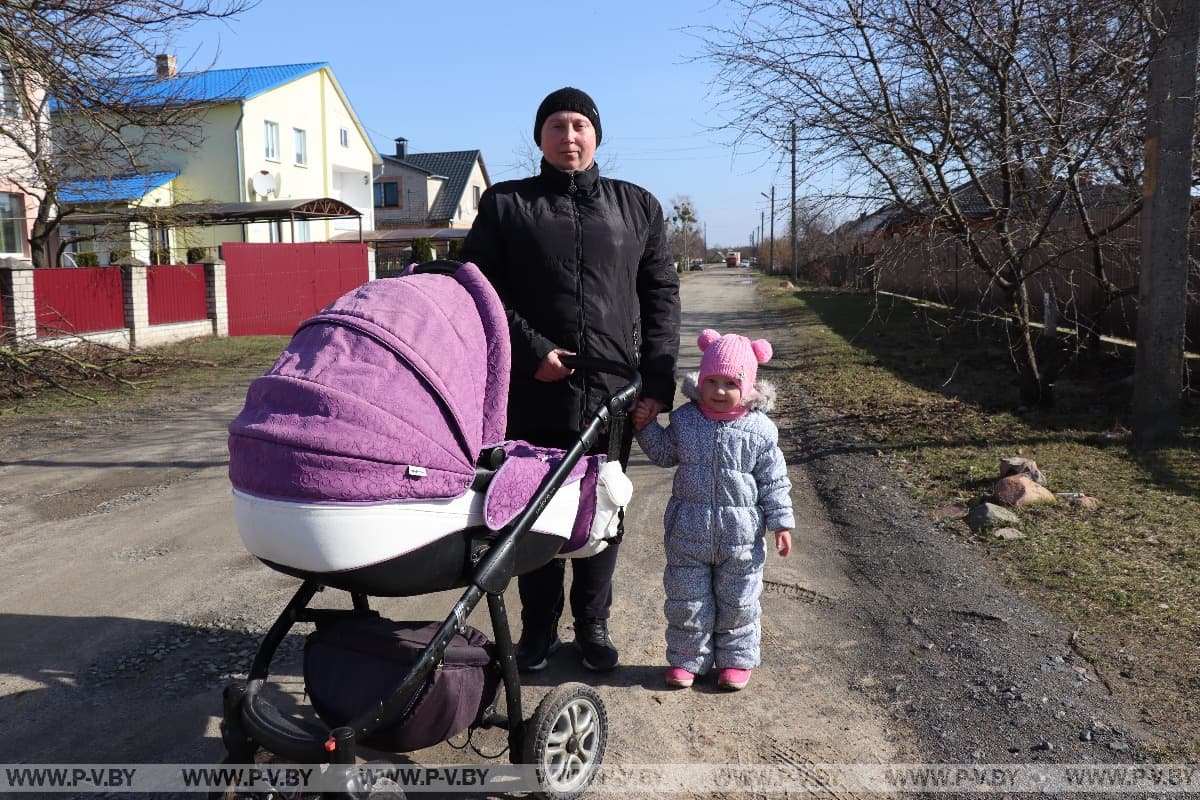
(937, 394)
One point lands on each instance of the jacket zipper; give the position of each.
(572, 191)
(715, 534)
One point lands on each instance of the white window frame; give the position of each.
(300, 139)
(9, 105)
(271, 140)
(14, 220)
(343, 137)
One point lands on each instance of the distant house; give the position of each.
(275, 143)
(429, 190)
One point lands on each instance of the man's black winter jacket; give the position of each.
(582, 263)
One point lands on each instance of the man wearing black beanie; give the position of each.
(583, 266)
(566, 99)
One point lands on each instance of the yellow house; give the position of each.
(272, 141)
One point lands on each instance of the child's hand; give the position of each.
(638, 415)
(783, 542)
(644, 411)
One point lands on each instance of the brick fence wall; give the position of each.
(18, 309)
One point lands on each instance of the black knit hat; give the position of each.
(566, 99)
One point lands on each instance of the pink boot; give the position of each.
(733, 679)
(680, 677)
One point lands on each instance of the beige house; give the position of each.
(429, 190)
(270, 139)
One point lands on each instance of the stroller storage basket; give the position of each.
(352, 662)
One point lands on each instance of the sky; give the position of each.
(469, 75)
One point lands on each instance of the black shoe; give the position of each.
(593, 641)
(536, 646)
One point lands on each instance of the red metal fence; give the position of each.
(83, 300)
(176, 293)
(272, 288)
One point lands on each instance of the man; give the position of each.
(583, 266)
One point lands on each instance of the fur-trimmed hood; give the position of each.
(761, 398)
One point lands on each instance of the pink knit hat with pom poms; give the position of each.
(733, 356)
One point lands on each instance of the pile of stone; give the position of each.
(1021, 483)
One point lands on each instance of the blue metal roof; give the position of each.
(218, 85)
(124, 188)
(209, 86)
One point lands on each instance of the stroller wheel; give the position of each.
(565, 740)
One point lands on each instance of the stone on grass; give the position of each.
(955, 510)
(990, 515)
(1008, 533)
(1015, 465)
(1086, 502)
(1020, 490)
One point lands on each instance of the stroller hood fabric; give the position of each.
(390, 393)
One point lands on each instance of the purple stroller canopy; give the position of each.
(390, 393)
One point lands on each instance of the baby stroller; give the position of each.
(371, 459)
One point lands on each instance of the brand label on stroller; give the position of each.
(415, 471)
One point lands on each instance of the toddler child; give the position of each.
(730, 486)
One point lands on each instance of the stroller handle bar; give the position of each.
(621, 400)
(496, 568)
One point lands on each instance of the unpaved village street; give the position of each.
(127, 601)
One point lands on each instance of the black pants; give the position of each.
(542, 595)
(541, 590)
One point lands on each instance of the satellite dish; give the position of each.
(265, 183)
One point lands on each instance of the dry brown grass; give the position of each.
(938, 395)
(92, 378)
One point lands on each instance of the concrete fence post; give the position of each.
(16, 297)
(137, 303)
(215, 298)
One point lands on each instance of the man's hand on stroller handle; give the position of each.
(621, 400)
(552, 368)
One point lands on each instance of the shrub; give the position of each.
(115, 256)
(422, 250)
(197, 255)
(87, 258)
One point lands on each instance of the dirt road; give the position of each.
(127, 601)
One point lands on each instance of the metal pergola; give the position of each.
(196, 215)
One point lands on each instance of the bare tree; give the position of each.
(79, 102)
(984, 123)
(1170, 139)
(685, 237)
(527, 158)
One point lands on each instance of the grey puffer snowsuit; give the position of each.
(731, 486)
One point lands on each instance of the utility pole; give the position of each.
(771, 271)
(761, 228)
(1166, 194)
(795, 277)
